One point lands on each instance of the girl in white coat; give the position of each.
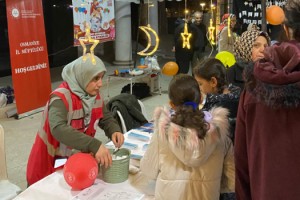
(190, 155)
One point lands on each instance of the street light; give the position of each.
(202, 5)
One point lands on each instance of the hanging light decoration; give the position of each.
(229, 32)
(147, 30)
(186, 36)
(229, 21)
(211, 28)
(88, 39)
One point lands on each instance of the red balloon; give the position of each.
(275, 15)
(80, 171)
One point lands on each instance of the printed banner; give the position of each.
(251, 11)
(28, 54)
(98, 15)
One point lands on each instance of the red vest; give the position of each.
(46, 148)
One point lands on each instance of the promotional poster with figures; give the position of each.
(96, 15)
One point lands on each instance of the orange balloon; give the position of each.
(170, 68)
(275, 15)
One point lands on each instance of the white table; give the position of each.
(136, 140)
(54, 186)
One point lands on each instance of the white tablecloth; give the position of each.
(54, 187)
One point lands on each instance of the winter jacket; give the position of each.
(202, 39)
(229, 101)
(235, 74)
(226, 43)
(186, 167)
(129, 108)
(267, 150)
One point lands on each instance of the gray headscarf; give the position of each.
(78, 74)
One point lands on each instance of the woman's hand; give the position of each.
(103, 156)
(118, 139)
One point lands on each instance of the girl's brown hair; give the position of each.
(184, 89)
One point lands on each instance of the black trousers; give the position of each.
(183, 59)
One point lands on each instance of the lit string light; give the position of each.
(229, 21)
(211, 28)
(146, 30)
(186, 36)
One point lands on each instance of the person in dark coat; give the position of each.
(199, 54)
(267, 138)
(184, 55)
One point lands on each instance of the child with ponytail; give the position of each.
(190, 155)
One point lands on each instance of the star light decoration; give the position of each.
(211, 30)
(186, 37)
(88, 39)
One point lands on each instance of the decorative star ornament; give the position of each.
(88, 39)
(186, 37)
(211, 30)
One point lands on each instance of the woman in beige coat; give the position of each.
(190, 155)
(226, 38)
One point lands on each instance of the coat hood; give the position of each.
(184, 142)
(276, 78)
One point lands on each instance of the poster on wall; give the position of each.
(250, 11)
(96, 15)
(28, 54)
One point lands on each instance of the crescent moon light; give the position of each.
(147, 30)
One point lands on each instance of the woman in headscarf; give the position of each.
(267, 138)
(248, 48)
(226, 37)
(70, 118)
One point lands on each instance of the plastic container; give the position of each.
(119, 170)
